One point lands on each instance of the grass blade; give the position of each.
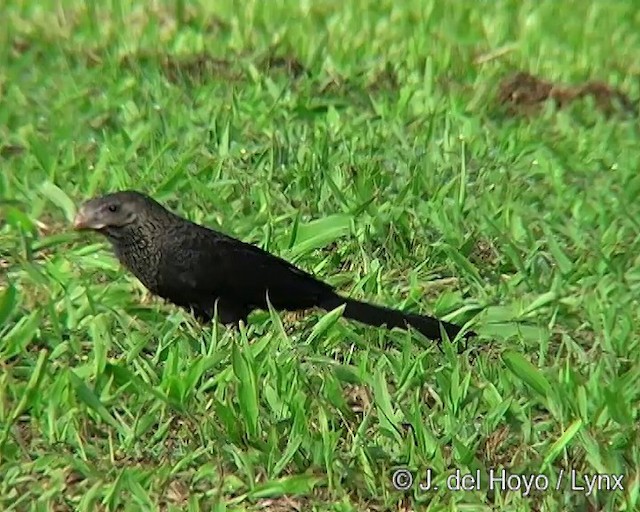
(527, 373)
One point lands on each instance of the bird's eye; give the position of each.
(112, 208)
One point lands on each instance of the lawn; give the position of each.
(364, 141)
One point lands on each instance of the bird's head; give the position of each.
(116, 212)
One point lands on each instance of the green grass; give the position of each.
(371, 152)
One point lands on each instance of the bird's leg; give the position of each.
(202, 315)
(230, 313)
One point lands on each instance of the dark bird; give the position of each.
(193, 267)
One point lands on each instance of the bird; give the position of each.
(203, 271)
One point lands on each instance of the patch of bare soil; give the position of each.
(484, 252)
(524, 93)
(287, 64)
(196, 68)
(363, 83)
(10, 150)
(202, 67)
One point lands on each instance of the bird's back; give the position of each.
(202, 263)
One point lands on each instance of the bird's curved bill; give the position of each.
(83, 222)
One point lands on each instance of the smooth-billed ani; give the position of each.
(193, 267)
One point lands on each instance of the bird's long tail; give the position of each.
(371, 314)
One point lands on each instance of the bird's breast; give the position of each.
(141, 262)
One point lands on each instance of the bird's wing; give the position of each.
(205, 265)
